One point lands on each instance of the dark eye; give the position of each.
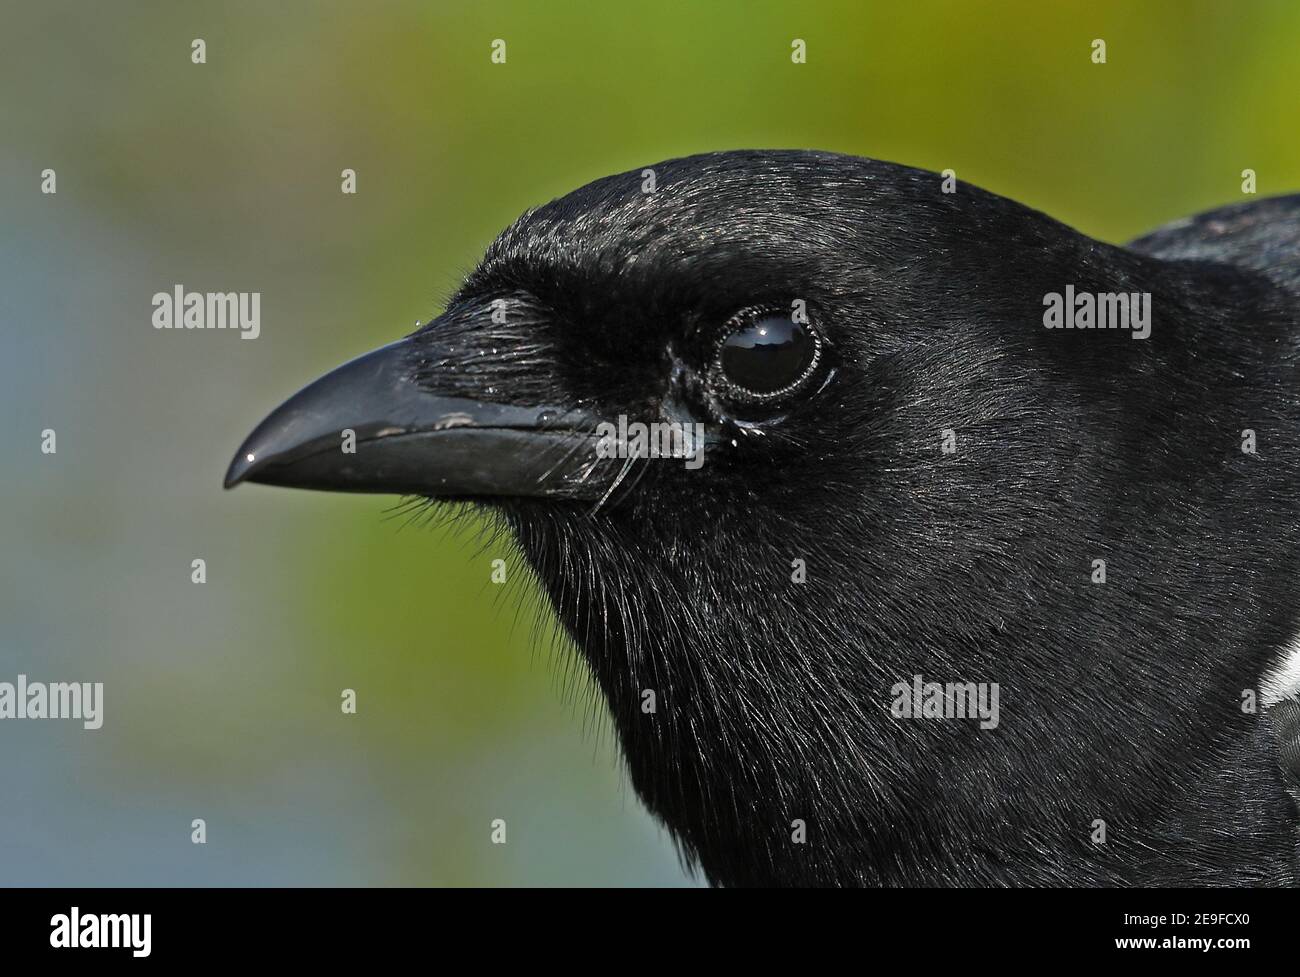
(764, 356)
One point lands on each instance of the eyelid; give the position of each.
(708, 332)
(751, 313)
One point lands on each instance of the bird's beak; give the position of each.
(369, 427)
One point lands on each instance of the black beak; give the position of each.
(408, 441)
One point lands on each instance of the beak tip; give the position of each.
(239, 469)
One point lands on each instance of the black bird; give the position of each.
(905, 476)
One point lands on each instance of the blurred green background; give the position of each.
(222, 699)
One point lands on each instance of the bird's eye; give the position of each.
(764, 355)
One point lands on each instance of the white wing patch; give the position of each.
(1282, 680)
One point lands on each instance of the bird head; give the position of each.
(875, 462)
(791, 318)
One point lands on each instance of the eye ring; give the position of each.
(747, 317)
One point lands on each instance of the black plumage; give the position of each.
(1126, 702)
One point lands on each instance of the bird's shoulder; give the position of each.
(1263, 235)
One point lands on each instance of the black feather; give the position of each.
(1121, 702)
